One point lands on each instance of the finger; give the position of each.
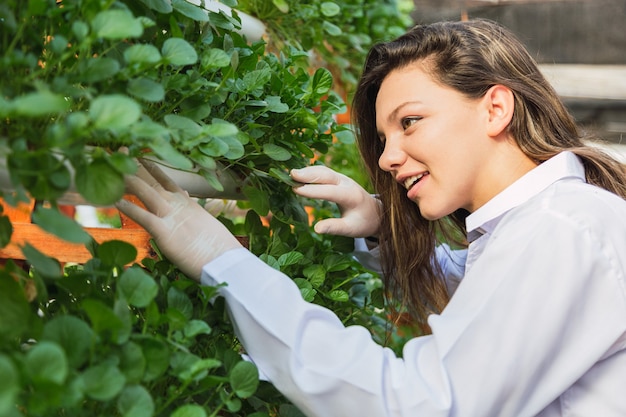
(334, 193)
(161, 177)
(140, 216)
(334, 226)
(316, 174)
(150, 195)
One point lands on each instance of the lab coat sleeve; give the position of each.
(507, 344)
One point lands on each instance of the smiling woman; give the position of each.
(462, 107)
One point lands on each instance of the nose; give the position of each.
(393, 156)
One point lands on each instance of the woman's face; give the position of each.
(435, 142)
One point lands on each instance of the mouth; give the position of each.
(411, 181)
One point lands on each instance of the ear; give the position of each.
(500, 103)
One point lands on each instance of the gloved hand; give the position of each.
(184, 231)
(360, 211)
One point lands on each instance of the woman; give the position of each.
(459, 131)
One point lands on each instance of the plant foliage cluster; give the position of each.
(88, 85)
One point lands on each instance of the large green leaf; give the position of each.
(115, 111)
(135, 401)
(46, 363)
(73, 335)
(179, 52)
(142, 54)
(116, 24)
(14, 308)
(9, 385)
(189, 410)
(117, 253)
(244, 379)
(103, 381)
(60, 225)
(276, 152)
(146, 89)
(190, 10)
(40, 103)
(100, 183)
(45, 265)
(137, 287)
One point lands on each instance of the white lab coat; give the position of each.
(537, 326)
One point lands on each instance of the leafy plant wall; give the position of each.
(88, 85)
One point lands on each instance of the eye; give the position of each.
(407, 122)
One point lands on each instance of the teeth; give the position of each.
(408, 183)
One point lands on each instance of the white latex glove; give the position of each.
(360, 211)
(184, 231)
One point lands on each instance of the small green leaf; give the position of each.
(214, 147)
(142, 54)
(220, 128)
(146, 89)
(103, 381)
(244, 379)
(157, 355)
(339, 295)
(115, 111)
(190, 10)
(105, 322)
(330, 9)
(9, 385)
(135, 401)
(189, 410)
(331, 29)
(14, 309)
(40, 103)
(116, 24)
(166, 152)
(46, 362)
(180, 301)
(179, 52)
(46, 266)
(196, 327)
(132, 362)
(137, 287)
(274, 104)
(100, 183)
(281, 5)
(60, 225)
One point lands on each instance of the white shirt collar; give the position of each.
(564, 165)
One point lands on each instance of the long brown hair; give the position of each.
(471, 57)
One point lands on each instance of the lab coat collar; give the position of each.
(485, 219)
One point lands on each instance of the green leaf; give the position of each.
(132, 362)
(180, 301)
(166, 152)
(161, 6)
(40, 103)
(46, 363)
(290, 258)
(214, 147)
(339, 295)
(322, 82)
(100, 183)
(196, 327)
(105, 322)
(116, 24)
(142, 54)
(214, 58)
(73, 335)
(137, 287)
(99, 69)
(9, 385)
(331, 29)
(103, 381)
(116, 252)
(259, 200)
(244, 379)
(6, 231)
(135, 401)
(46, 266)
(113, 112)
(14, 308)
(221, 129)
(316, 274)
(274, 104)
(179, 52)
(189, 410)
(157, 355)
(146, 89)
(281, 5)
(60, 225)
(330, 9)
(190, 10)
(277, 153)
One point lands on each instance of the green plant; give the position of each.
(340, 32)
(83, 79)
